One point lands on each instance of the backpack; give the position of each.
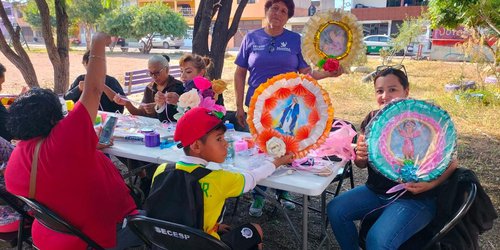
(176, 196)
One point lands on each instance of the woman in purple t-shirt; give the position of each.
(265, 53)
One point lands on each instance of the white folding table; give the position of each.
(304, 183)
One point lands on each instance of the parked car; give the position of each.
(165, 42)
(375, 43)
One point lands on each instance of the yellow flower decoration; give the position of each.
(332, 34)
(218, 86)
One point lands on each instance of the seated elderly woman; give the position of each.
(164, 86)
(73, 178)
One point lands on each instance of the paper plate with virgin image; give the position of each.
(331, 38)
(411, 141)
(290, 113)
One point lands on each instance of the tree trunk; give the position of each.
(88, 35)
(219, 39)
(202, 29)
(19, 57)
(58, 54)
(221, 34)
(61, 74)
(149, 44)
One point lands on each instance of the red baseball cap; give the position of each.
(194, 124)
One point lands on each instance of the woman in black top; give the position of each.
(106, 103)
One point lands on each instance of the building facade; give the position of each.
(15, 16)
(382, 17)
(253, 16)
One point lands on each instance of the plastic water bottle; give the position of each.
(229, 137)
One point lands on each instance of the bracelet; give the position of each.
(99, 57)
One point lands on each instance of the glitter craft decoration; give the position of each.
(411, 141)
(291, 107)
(332, 35)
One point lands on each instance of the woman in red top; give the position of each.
(74, 179)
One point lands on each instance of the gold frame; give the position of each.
(317, 23)
(322, 28)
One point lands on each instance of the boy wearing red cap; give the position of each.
(201, 134)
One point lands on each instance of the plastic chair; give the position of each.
(53, 221)
(422, 240)
(169, 235)
(23, 233)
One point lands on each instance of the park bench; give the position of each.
(136, 81)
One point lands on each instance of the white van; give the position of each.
(166, 42)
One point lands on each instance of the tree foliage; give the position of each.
(111, 4)
(143, 22)
(159, 18)
(409, 31)
(119, 22)
(32, 14)
(470, 13)
(86, 13)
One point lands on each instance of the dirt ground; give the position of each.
(117, 65)
(278, 233)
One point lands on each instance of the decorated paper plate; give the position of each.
(290, 113)
(411, 141)
(332, 34)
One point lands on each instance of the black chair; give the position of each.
(53, 221)
(137, 194)
(23, 234)
(424, 240)
(169, 235)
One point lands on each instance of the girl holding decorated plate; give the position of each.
(408, 151)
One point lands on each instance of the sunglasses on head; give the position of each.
(382, 68)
